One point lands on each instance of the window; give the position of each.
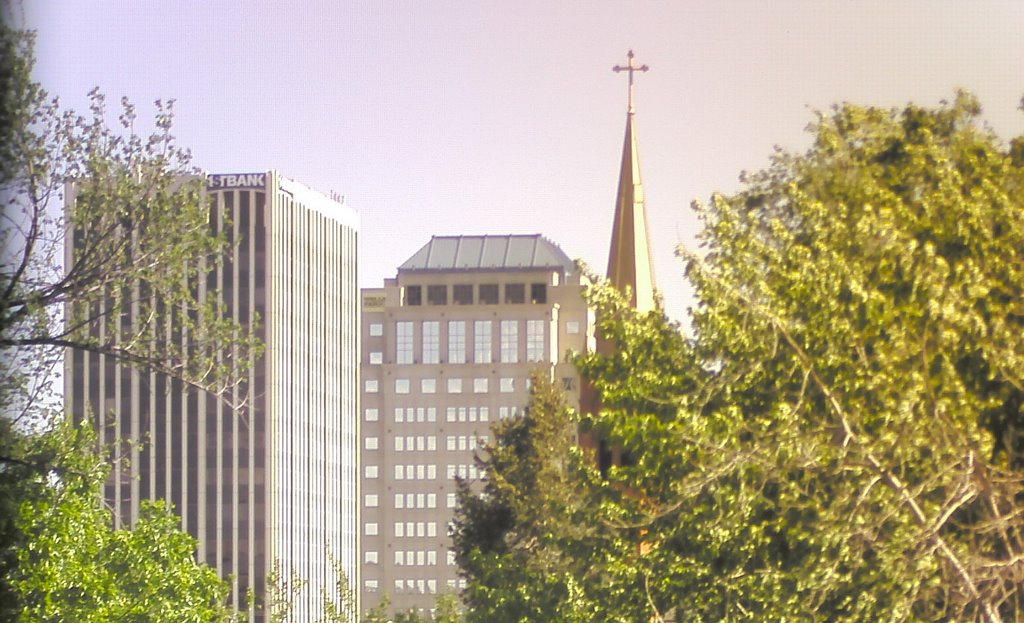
(428, 386)
(376, 329)
(450, 559)
(515, 293)
(437, 295)
(450, 500)
(462, 294)
(431, 500)
(403, 342)
(399, 472)
(371, 386)
(372, 415)
(431, 342)
(572, 327)
(480, 386)
(568, 383)
(370, 529)
(376, 358)
(484, 414)
(506, 385)
(509, 335)
(454, 386)
(370, 558)
(370, 585)
(450, 417)
(431, 414)
(488, 294)
(456, 341)
(482, 341)
(535, 340)
(399, 501)
(370, 471)
(371, 443)
(399, 529)
(399, 414)
(371, 500)
(399, 443)
(401, 386)
(538, 293)
(413, 295)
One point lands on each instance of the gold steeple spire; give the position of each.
(629, 259)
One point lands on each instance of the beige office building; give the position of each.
(277, 481)
(448, 346)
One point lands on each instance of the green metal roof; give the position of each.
(511, 252)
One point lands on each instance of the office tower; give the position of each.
(448, 346)
(276, 481)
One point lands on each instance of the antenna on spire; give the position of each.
(630, 67)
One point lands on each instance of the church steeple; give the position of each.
(629, 259)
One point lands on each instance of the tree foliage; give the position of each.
(72, 566)
(841, 437)
(142, 243)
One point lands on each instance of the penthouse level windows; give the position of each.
(479, 294)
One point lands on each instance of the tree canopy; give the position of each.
(841, 436)
(142, 241)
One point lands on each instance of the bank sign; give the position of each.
(236, 180)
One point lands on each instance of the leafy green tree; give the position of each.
(516, 538)
(841, 437)
(73, 567)
(851, 450)
(141, 243)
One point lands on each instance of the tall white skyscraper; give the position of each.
(276, 482)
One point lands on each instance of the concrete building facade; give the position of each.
(448, 346)
(277, 481)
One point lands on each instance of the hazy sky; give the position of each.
(490, 118)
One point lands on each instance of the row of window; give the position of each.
(415, 472)
(430, 335)
(404, 529)
(457, 328)
(405, 500)
(423, 587)
(429, 414)
(412, 500)
(428, 443)
(410, 558)
(470, 471)
(415, 500)
(481, 385)
(486, 294)
(426, 472)
(415, 558)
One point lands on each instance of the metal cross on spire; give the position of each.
(630, 67)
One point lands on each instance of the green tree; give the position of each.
(142, 241)
(841, 437)
(852, 448)
(73, 567)
(516, 538)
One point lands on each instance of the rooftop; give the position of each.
(510, 252)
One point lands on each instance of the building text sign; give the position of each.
(236, 180)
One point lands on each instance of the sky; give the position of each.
(447, 118)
